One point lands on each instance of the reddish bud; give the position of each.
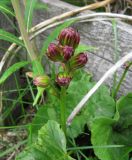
(42, 81)
(63, 79)
(69, 37)
(67, 52)
(78, 61)
(54, 52)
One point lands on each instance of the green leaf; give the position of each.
(30, 6)
(54, 35)
(4, 8)
(12, 69)
(100, 104)
(51, 144)
(42, 116)
(117, 131)
(124, 109)
(104, 133)
(10, 38)
(83, 48)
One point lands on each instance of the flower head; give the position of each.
(63, 79)
(42, 81)
(69, 37)
(78, 61)
(54, 52)
(67, 52)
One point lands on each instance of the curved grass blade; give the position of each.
(4, 8)
(12, 69)
(10, 38)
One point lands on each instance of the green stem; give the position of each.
(63, 109)
(32, 54)
(20, 20)
(121, 80)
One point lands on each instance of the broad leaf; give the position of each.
(104, 134)
(51, 145)
(44, 114)
(10, 38)
(12, 69)
(124, 109)
(100, 104)
(117, 131)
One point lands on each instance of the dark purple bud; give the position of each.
(78, 61)
(69, 37)
(63, 79)
(42, 81)
(67, 52)
(54, 52)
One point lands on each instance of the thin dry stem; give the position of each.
(70, 13)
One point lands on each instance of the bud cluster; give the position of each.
(68, 41)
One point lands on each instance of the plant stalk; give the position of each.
(63, 109)
(20, 20)
(121, 80)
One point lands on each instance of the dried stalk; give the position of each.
(98, 84)
(71, 13)
(83, 18)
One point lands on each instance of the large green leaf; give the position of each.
(104, 134)
(117, 131)
(44, 114)
(12, 69)
(51, 144)
(10, 37)
(124, 109)
(100, 104)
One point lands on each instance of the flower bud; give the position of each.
(54, 52)
(63, 79)
(42, 81)
(67, 52)
(78, 61)
(69, 37)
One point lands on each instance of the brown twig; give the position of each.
(71, 13)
